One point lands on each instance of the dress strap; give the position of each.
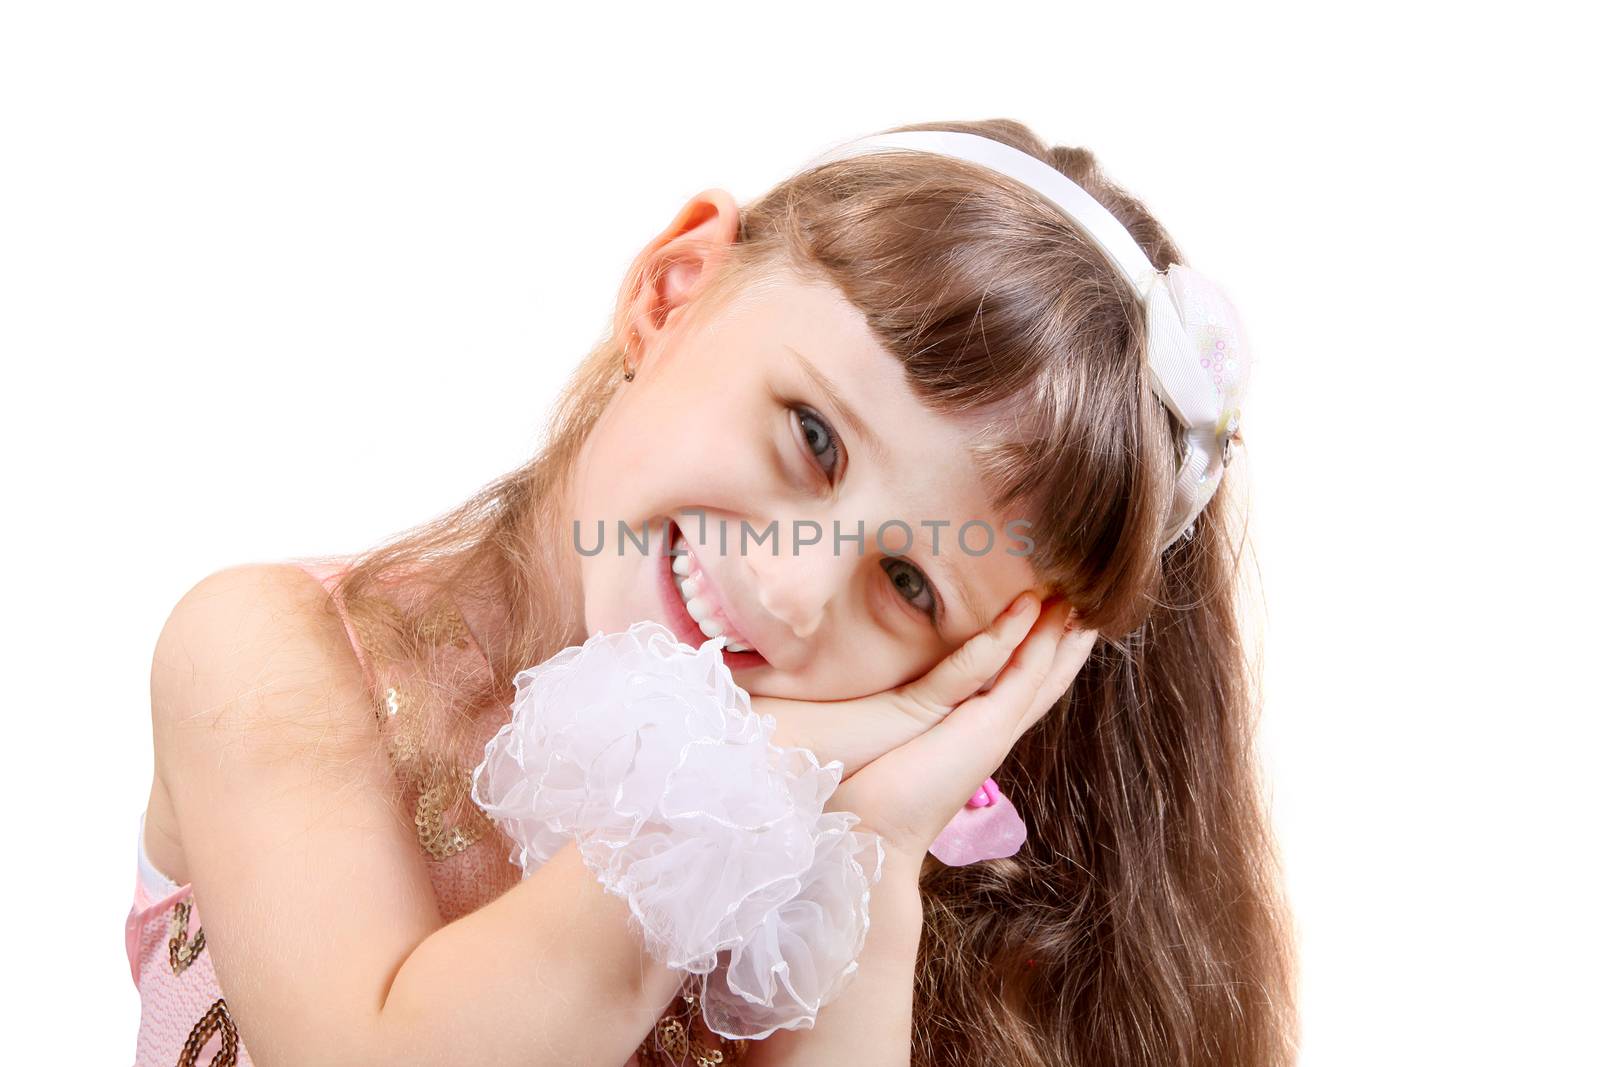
(327, 574)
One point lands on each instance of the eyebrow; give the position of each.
(837, 401)
(953, 575)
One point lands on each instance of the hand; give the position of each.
(857, 731)
(909, 794)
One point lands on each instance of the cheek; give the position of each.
(655, 459)
(682, 436)
(857, 664)
(898, 663)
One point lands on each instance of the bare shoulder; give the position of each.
(252, 671)
(248, 645)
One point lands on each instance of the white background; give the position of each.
(288, 279)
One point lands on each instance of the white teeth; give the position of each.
(687, 578)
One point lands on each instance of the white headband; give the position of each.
(1195, 342)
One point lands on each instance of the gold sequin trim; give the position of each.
(372, 634)
(444, 625)
(681, 1037)
(215, 1020)
(441, 787)
(437, 839)
(401, 726)
(180, 950)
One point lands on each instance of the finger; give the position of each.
(1071, 654)
(974, 738)
(958, 676)
(1020, 688)
(856, 732)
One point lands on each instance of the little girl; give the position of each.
(749, 721)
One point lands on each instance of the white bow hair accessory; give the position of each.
(1201, 366)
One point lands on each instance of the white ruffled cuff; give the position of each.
(645, 750)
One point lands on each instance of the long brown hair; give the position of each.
(1142, 922)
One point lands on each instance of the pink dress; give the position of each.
(184, 1017)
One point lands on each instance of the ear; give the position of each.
(665, 277)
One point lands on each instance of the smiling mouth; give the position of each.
(697, 598)
(692, 604)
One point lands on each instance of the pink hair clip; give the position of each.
(987, 794)
(987, 828)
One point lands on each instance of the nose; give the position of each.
(797, 588)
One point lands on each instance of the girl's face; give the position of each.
(767, 427)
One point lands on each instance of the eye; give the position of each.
(819, 439)
(909, 582)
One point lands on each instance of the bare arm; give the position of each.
(318, 909)
(870, 1022)
(547, 973)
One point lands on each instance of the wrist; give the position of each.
(897, 897)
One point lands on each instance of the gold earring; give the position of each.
(627, 371)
